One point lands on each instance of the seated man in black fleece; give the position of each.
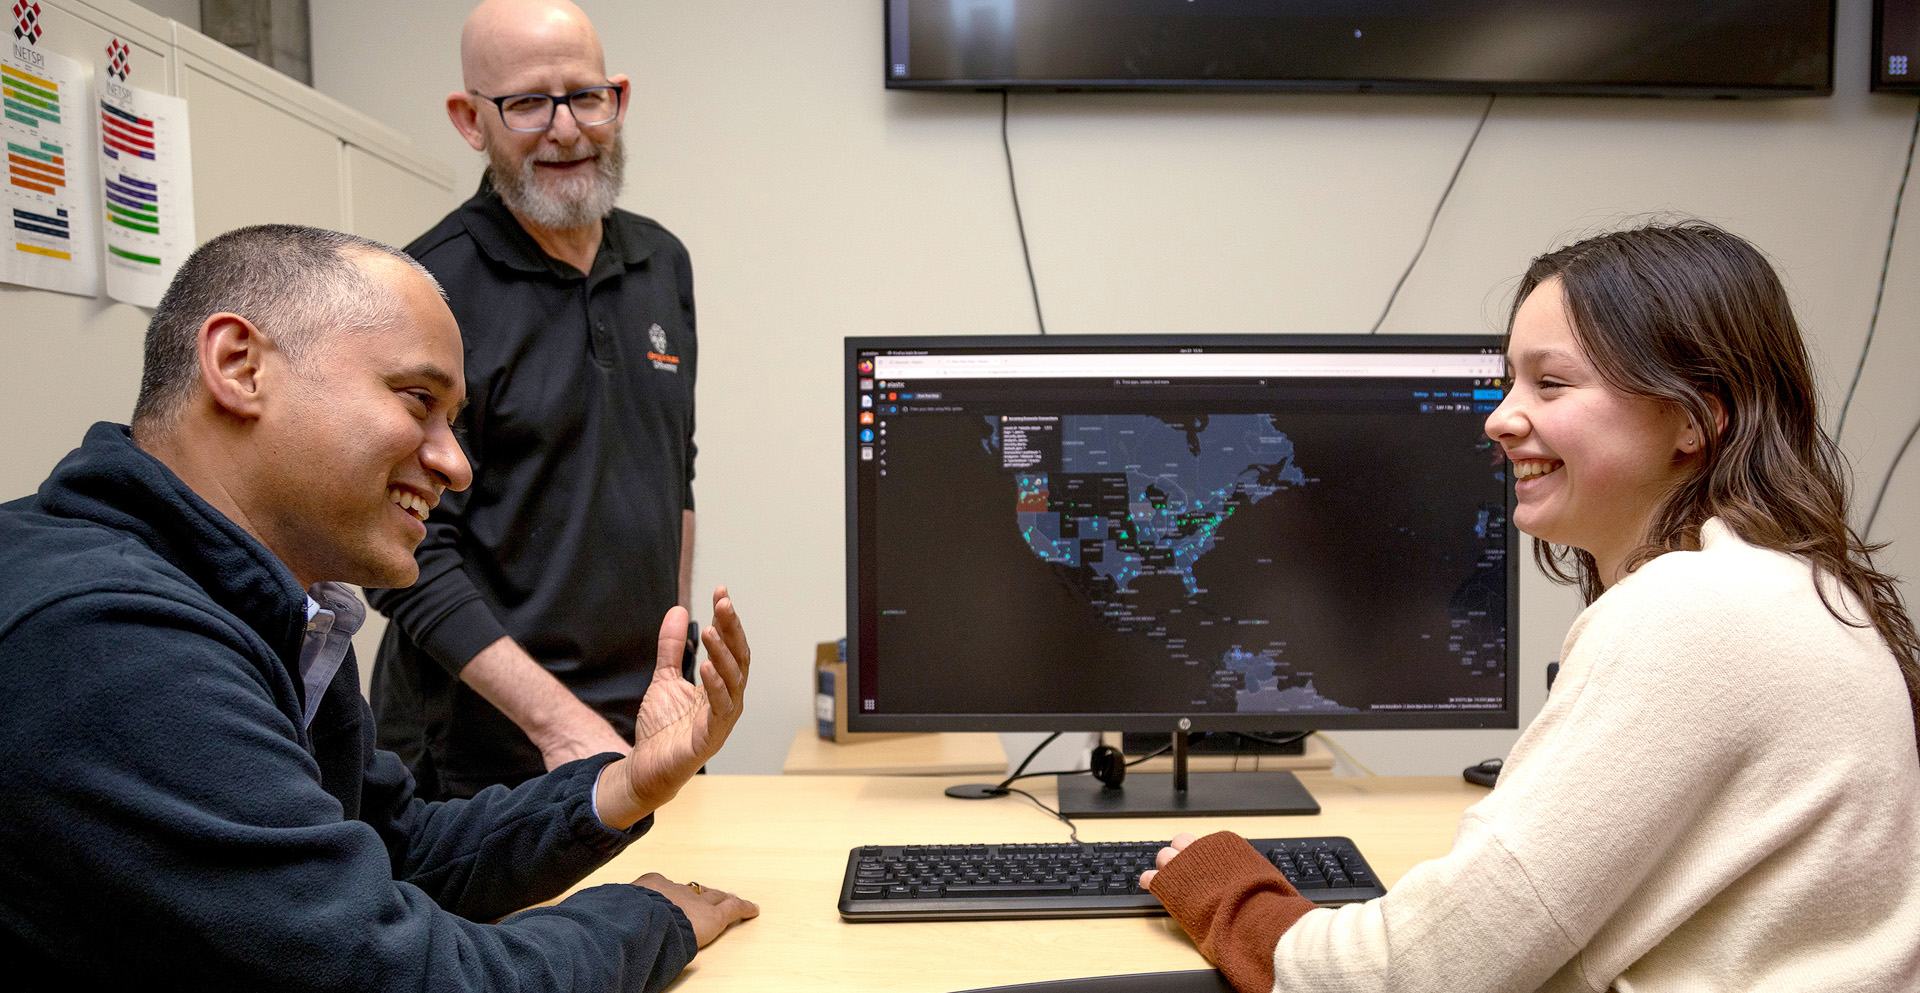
(190, 790)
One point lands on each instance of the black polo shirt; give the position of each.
(579, 426)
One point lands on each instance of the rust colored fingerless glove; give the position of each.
(1233, 903)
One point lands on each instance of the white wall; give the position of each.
(818, 205)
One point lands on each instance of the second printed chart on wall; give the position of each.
(146, 179)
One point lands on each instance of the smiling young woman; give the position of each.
(1722, 791)
(1692, 320)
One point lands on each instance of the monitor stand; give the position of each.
(1203, 794)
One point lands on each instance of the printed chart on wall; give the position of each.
(49, 200)
(146, 181)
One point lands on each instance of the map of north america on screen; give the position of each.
(1139, 496)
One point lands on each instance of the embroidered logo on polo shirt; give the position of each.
(659, 357)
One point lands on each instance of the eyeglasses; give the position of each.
(535, 111)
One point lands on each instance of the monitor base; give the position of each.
(1208, 794)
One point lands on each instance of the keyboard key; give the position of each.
(1010, 889)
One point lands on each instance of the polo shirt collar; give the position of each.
(500, 236)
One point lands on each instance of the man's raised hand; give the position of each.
(680, 725)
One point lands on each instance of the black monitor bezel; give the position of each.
(1507, 717)
(1877, 80)
(1406, 86)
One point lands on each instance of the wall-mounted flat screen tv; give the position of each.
(1686, 48)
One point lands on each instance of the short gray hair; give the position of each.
(297, 284)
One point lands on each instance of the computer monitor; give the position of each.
(1178, 533)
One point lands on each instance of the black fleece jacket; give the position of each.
(166, 821)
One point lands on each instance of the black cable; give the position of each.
(1020, 772)
(1885, 262)
(1435, 219)
(1884, 483)
(1072, 832)
(1297, 736)
(1018, 222)
(1156, 753)
(1022, 767)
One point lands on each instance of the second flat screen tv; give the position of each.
(1698, 48)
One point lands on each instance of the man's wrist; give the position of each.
(555, 720)
(548, 727)
(613, 798)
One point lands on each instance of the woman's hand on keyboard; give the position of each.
(1163, 856)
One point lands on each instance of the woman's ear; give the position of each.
(1691, 439)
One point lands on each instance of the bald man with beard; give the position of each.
(527, 642)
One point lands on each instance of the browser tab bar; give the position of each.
(1187, 365)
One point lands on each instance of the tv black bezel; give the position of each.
(1685, 91)
(1508, 717)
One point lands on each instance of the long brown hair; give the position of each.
(1689, 314)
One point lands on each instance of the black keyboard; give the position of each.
(1097, 879)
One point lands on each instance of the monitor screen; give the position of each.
(1259, 532)
(1896, 46)
(1649, 47)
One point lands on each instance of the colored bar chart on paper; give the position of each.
(42, 169)
(135, 205)
(146, 190)
(32, 233)
(122, 133)
(49, 228)
(29, 99)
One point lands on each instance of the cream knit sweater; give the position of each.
(1721, 793)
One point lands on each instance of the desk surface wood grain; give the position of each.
(947, 754)
(782, 842)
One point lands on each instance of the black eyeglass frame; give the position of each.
(553, 106)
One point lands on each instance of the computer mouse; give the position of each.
(1484, 774)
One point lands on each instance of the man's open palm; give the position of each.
(680, 726)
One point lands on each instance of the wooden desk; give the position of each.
(950, 754)
(782, 842)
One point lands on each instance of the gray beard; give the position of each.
(577, 203)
